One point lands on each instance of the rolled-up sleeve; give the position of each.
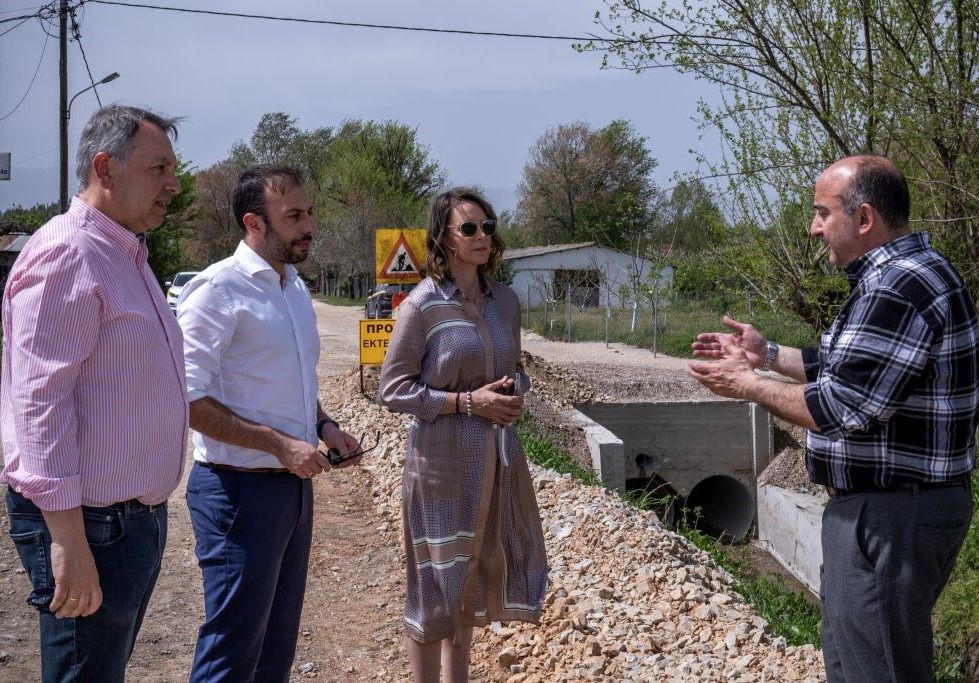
(206, 317)
(877, 355)
(54, 316)
(401, 387)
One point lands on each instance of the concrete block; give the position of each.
(607, 457)
(789, 526)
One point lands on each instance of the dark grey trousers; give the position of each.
(886, 557)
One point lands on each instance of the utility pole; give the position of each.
(63, 74)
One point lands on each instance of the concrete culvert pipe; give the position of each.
(722, 507)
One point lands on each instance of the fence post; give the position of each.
(528, 307)
(567, 315)
(655, 314)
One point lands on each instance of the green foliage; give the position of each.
(956, 617)
(585, 185)
(377, 176)
(804, 83)
(166, 243)
(19, 219)
(688, 220)
(361, 175)
(541, 451)
(680, 318)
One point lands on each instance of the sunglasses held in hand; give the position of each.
(335, 457)
(468, 229)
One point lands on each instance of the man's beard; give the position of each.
(276, 248)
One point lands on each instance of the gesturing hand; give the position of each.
(731, 375)
(744, 337)
(490, 403)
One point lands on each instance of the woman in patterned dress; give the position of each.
(472, 531)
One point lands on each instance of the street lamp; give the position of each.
(65, 115)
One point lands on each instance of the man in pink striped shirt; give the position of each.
(93, 404)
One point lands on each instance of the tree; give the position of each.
(19, 219)
(214, 232)
(688, 220)
(804, 83)
(375, 175)
(166, 242)
(584, 185)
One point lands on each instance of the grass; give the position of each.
(956, 617)
(678, 323)
(339, 300)
(543, 452)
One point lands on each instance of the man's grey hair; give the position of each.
(111, 130)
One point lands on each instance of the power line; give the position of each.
(31, 84)
(23, 16)
(78, 39)
(23, 21)
(350, 24)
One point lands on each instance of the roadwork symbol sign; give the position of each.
(400, 255)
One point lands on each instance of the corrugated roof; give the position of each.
(510, 254)
(13, 241)
(18, 243)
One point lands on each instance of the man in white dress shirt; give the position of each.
(251, 347)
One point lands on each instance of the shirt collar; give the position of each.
(253, 264)
(132, 244)
(448, 288)
(878, 256)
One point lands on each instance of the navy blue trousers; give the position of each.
(253, 536)
(127, 542)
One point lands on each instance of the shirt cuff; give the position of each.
(49, 494)
(432, 404)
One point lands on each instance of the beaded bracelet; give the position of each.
(469, 404)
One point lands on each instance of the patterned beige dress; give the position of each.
(472, 529)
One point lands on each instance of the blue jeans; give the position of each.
(127, 541)
(253, 534)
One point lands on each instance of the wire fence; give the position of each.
(652, 317)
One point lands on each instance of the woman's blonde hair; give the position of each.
(437, 263)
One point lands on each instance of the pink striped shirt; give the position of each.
(93, 402)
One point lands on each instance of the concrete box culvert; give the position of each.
(709, 452)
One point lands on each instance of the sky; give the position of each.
(478, 103)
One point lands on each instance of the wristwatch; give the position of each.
(322, 423)
(771, 355)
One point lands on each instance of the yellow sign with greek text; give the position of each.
(374, 338)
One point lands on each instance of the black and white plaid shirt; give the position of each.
(894, 384)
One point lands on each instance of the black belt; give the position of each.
(133, 505)
(246, 470)
(912, 486)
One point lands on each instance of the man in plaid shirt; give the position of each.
(889, 398)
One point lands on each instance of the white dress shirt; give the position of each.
(251, 343)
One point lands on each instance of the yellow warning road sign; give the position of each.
(374, 338)
(399, 254)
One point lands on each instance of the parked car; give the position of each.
(175, 286)
(378, 304)
(311, 284)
